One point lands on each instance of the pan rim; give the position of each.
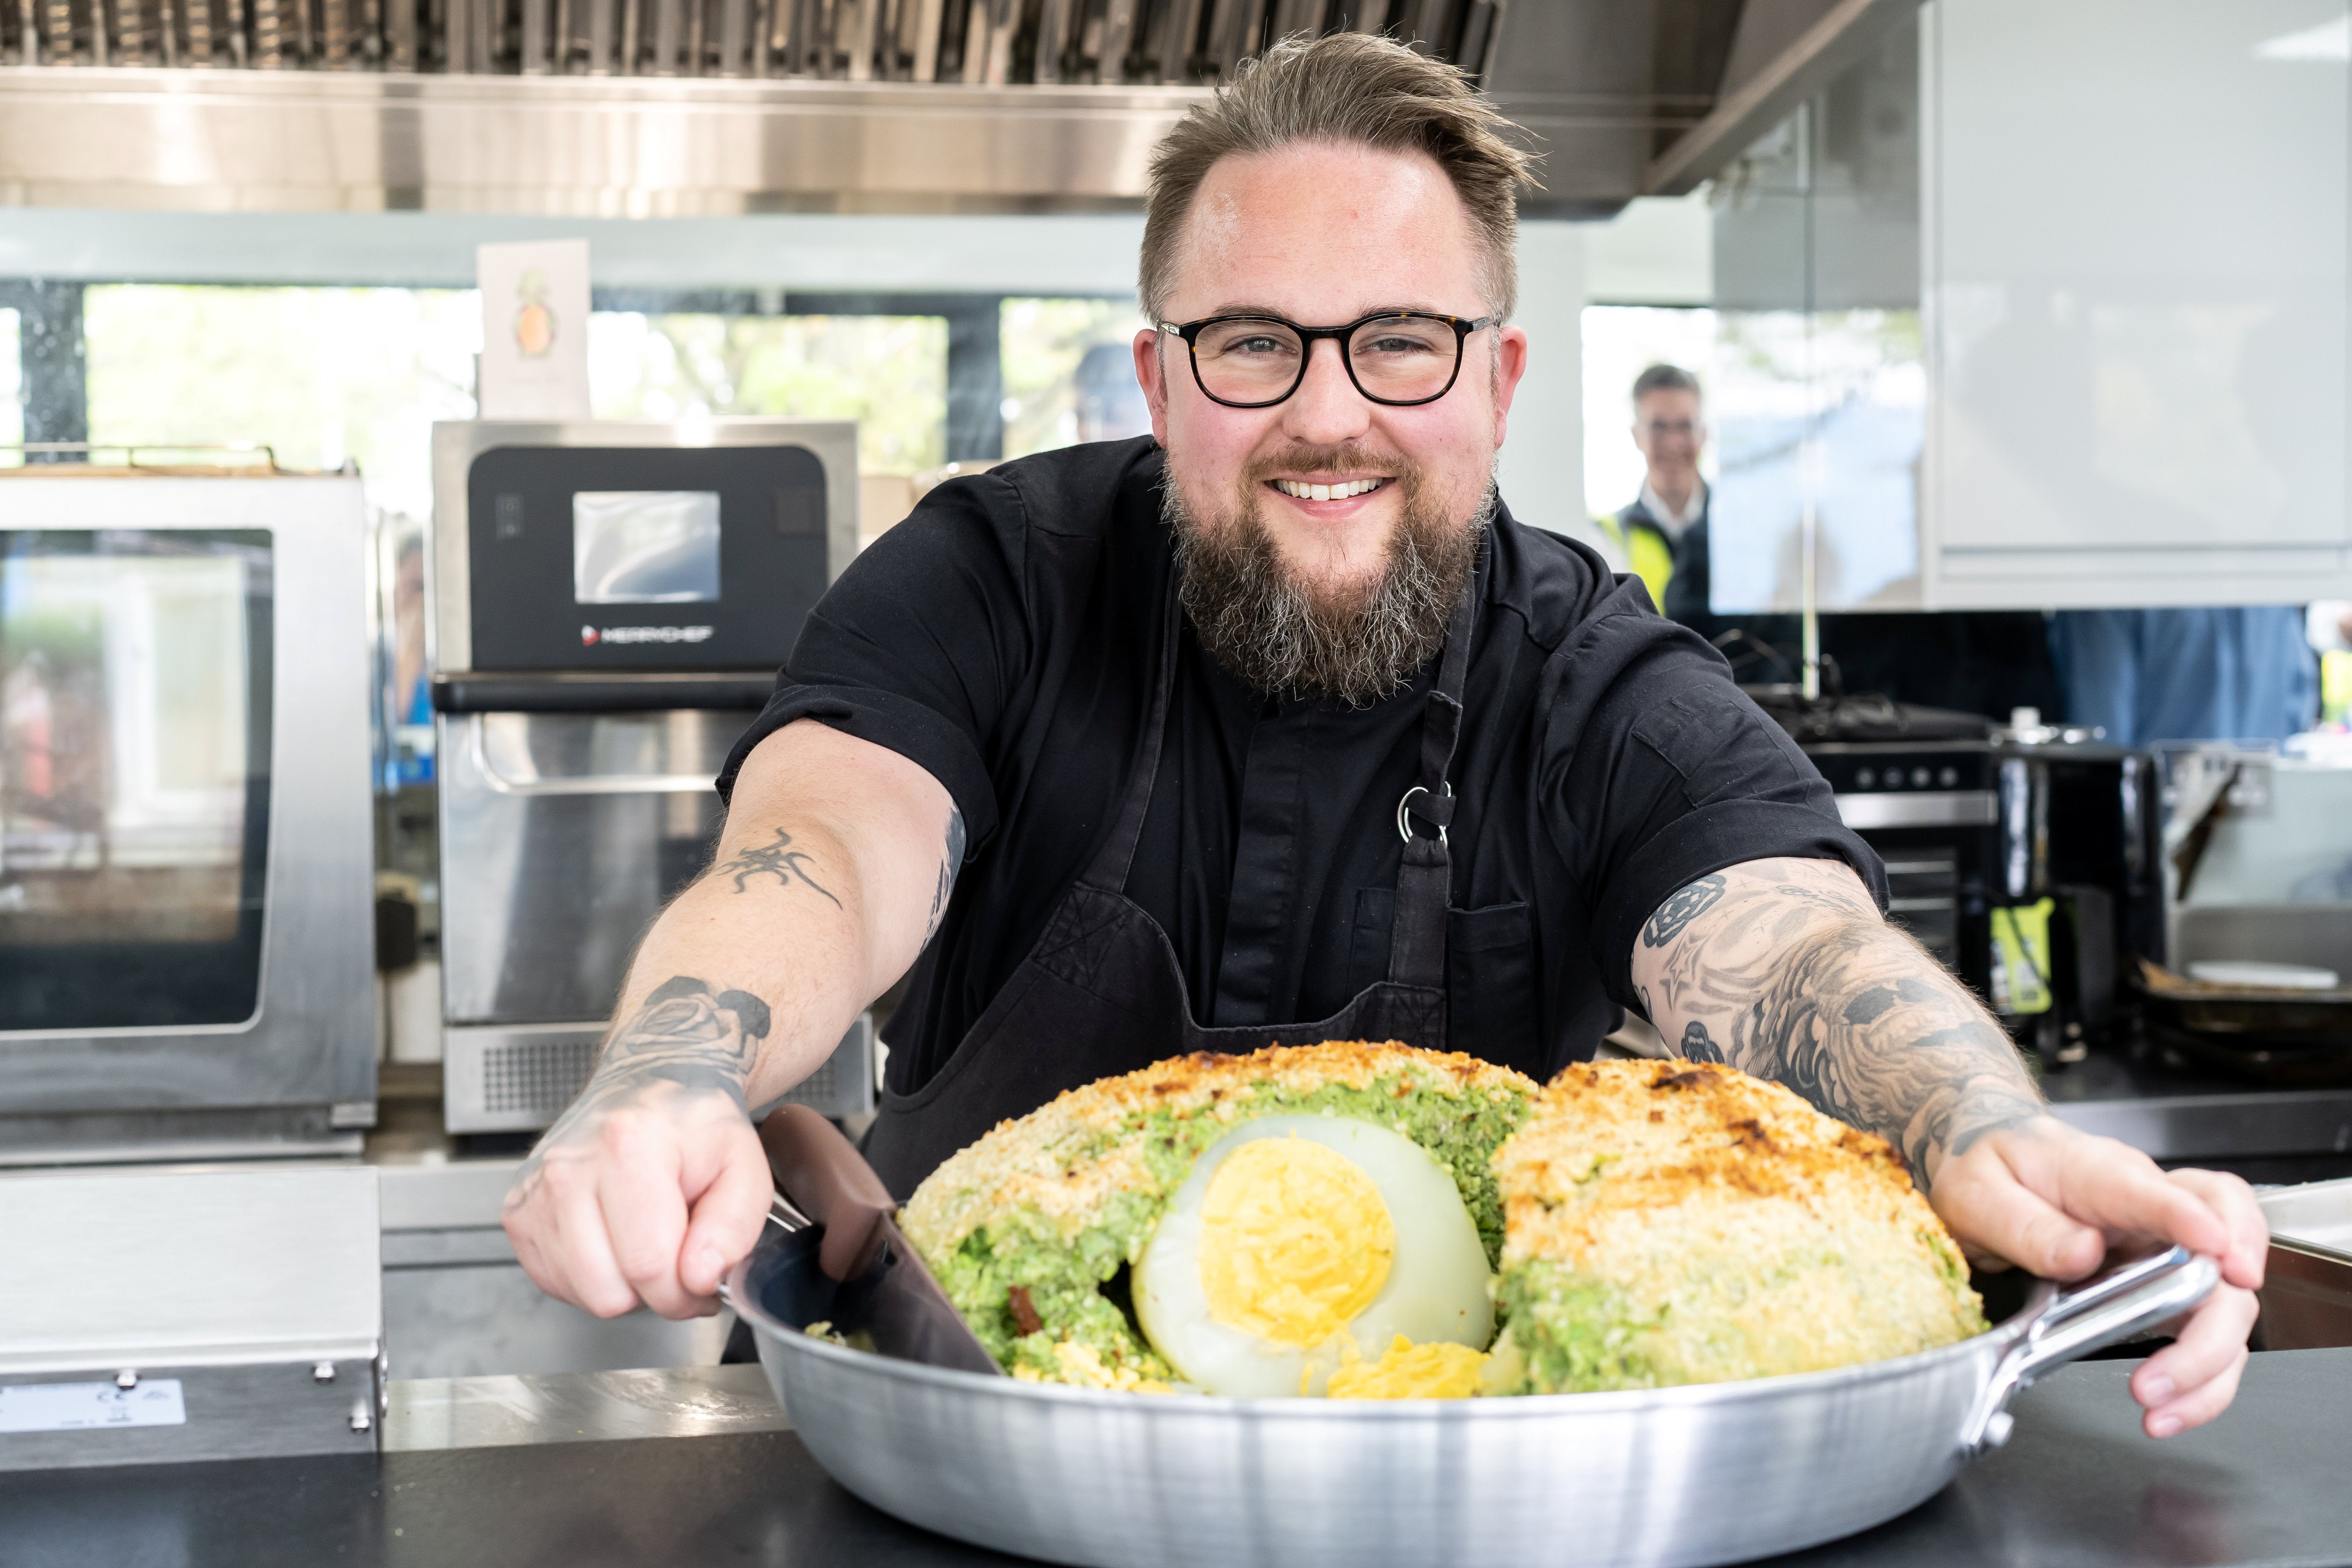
(1989, 1344)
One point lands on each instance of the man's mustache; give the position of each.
(1348, 458)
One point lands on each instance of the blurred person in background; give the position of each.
(1663, 532)
(2239, 672)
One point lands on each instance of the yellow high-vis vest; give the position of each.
(1652, 558)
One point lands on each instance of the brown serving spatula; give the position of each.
(886, 1296)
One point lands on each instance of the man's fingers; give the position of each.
(728, 1215)
(584, 1272)
(2121, 1190)
(1998, 1214)
(2193, 1379)
(2250, 1230)
(640, 1194)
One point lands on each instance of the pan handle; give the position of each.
(2064, 1325)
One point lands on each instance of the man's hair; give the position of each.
(1665, 378)
(1345, 88)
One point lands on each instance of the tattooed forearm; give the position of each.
(949, 864)
(683, 1034)
(1784, 969)
(779, 859)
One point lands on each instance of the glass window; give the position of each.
(1852, 384)
(318, 375)
(1069, 373)
(323, 374)
(1856, 380)
(12, 388)
(134, 695)
(887, 372)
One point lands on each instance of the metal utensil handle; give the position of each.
(2065, 1325)
(784, 1217)
(828, 1179)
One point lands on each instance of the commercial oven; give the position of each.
(612, 600)
(185, 889)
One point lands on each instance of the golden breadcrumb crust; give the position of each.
(1677, 1221)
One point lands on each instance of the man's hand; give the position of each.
(2056, 1202)
(835, 868)
(652, 1183)
(1783, 969)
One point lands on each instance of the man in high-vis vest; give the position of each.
(1663, 532)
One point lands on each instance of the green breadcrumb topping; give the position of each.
(1063, 1275)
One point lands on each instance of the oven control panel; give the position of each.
(1892, 767)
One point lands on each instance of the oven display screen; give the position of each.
(644, 547)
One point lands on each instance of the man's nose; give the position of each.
(1327, 409)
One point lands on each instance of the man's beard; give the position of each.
(1353, 645)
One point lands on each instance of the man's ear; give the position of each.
(1148, 375)
(1510, 364)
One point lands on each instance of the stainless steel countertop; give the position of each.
(2260, 1489)
(433, 1412)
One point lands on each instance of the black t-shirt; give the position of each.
(1004, 638)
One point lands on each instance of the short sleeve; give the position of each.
(916, 645)
(1674, 772)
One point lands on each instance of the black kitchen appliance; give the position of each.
(2027, 865)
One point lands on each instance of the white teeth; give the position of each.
(1305, 491)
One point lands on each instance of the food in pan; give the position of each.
(1303, 1219)
(1667, 1222)
(1298, 1238)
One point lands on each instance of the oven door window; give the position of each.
(134, 778)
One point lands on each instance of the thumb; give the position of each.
(727, 1218)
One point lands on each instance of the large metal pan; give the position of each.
(1717, 1473)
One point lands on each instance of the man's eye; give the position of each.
(1256, 345)
(1396, 345)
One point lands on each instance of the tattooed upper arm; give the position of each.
(1784, 969)
(776, 858)
(1679, 909)
(950, 862)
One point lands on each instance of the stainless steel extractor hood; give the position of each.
(675, 107)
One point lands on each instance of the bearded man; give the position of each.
(1277, 727)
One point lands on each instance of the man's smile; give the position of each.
(1327, 489)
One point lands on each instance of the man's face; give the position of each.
(1322, 234)
(1666, 427)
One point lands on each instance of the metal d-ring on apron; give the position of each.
(1102, 993)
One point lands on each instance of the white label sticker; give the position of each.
(70, 1406)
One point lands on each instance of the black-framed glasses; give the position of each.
(1396, 357)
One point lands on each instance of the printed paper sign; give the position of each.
(74, 1406)
(534, 330)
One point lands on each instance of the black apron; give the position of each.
(1102, 993)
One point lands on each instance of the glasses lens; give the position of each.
(1246, 360)
(1404, 358)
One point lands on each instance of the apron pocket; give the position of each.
(1490, 982)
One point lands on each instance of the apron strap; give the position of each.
(1425, 879)
(1108, 870)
